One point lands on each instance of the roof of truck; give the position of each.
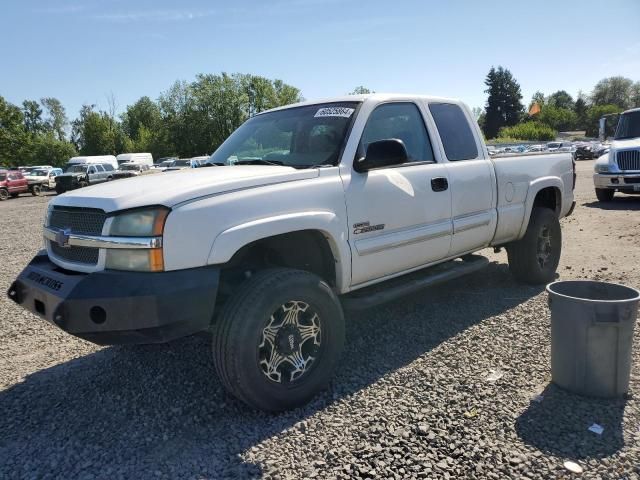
(637, 109)
(379, 97)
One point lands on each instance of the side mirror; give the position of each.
(383, 153)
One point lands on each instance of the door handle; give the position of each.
(439, 184)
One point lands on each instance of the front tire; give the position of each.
(36, 190)
(278, 339)
(83, 184)
(605, 194)
(534, 258)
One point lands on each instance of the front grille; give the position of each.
(87, 221)
(80, 220)
(632, 180)
(86, 255)
(66, 181)
(628, 159)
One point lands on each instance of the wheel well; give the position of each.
(307, 250)
(549, 197)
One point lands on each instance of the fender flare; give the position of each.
(534, 188)
(229, 241)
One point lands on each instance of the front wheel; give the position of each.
(534, 258)
(83, 184)
(605, 194)
(36, 190)
(278, 339)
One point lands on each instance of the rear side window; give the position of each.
(108, 167)
(455, 133)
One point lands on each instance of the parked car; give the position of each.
(199, 161)
(618, 170)
(128, 170)
(164, 164)
(40, 179)
(585, 151)
(139, 158)
(82, 175)
(535, 148)
(12, 184)
(280, 244)
(179, 164)
(95, 159)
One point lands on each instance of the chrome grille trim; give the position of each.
(100, 241)
(628, 159)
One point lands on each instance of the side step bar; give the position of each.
(406, 284)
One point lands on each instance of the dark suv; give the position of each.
(82, 175)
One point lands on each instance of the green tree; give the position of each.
(580, 109)
(32, 117)
(613, 91)
(56, 120)
(47, 149)
(635, 95)
(360, 90)
(97, 133)
(504, 107)
(594, 114)
(12, 133)
(530, 131)
(561, 99)
(557, 118)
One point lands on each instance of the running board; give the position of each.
(412, 282)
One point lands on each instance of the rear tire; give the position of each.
(83, 184)
(3, 194)
(278, 339)
(534, 258)
(605, 194)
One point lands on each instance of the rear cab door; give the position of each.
(471, 177)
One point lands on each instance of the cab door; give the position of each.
(400, 216)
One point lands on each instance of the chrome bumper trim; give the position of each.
(99, 241)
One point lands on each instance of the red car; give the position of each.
(12, 183)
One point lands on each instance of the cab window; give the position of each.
(402, 121)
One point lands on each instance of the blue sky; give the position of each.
(81, 51)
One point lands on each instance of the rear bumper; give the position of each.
(622, 182)
(112, 307)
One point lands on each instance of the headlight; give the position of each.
(138, 223)
(602, 168)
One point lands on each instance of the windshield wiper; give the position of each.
(258, 161)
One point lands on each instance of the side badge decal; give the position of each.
(364, 227)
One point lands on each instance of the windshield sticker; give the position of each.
(334, 112)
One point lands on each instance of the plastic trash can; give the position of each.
(591, 336)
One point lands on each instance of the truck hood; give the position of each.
(173, 188)
(625, 144)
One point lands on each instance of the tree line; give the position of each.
(504, 115)
(189, 119)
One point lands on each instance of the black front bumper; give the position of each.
(112, 307)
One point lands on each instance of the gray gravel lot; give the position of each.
(411, 399)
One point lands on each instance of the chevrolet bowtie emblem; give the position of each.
(62, 237)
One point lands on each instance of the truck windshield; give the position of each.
(297, 137)
(628, 126)
(75, 168)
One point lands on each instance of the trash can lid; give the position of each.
(593, 291)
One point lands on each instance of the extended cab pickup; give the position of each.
(303, 210)
(619, 169)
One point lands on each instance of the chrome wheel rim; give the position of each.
(290, 343)
(544, 251)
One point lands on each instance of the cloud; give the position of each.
(60, 9)
(154, 16)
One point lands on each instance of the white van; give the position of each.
(141, 158)
(110, 159)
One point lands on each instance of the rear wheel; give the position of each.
(278, 339)
(605, 194)
(36, 190)
(3, 194)
(83, 183)
(534, 258)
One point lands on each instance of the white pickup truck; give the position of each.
(619, 169)
(304, 210)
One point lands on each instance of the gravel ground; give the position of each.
(412, 398)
